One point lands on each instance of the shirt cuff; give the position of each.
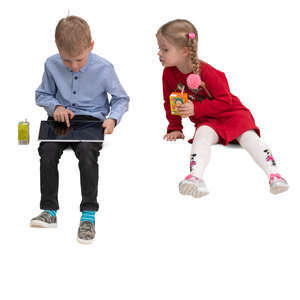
(51, 107)
(115, 116)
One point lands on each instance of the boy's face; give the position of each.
(75, 63)
(169, 55)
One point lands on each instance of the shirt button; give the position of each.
(74, 92)
(75, 77)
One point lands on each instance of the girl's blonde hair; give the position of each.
(73, 35)
(177, 33)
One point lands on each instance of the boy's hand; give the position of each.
(174, 135)
(109, 125)
(186, 110)
(62, 114)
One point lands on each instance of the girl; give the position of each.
(218, 115)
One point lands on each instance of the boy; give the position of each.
(75, 86)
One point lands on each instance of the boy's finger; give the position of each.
(107, 130)
(71, 114)
(62, 118)
(66, 116)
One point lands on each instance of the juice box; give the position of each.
(23, 132)
(177, 98)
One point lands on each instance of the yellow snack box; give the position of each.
(177, 98)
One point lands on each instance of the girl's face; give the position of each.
(169, 55)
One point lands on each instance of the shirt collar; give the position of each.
(84, 68)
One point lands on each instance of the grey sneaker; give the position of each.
(194, 186)
(277, 184)
(86, 232)
(44, 220)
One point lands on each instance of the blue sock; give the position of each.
(88, 215)
(51, 212)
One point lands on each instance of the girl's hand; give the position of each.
(186, 110)
(109, 125)
(174, 135)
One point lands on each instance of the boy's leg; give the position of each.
(50, 153)
(87, 154)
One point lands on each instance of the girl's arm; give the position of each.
(174, 121)
(218, 87)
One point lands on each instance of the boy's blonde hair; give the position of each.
(177, 33)
(73, 35)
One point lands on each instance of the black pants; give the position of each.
(87, 154)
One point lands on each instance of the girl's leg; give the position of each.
(201, 149)
(262, 155)
(193, 184)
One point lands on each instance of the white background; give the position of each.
(239, 242)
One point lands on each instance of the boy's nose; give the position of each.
(74, 67)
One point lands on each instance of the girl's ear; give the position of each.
(185, 51)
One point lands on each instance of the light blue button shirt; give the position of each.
(83, 92)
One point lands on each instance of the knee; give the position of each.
(88, 153)
(203, 141)
(49, 152)
(206, 135)
(247, 137)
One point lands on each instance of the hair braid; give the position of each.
(192, 45)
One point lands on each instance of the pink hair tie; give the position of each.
(191, 35)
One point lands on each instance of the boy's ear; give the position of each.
(92, 45)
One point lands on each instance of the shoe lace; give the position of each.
(86, 226)
(274, 176)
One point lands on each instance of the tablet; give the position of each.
(79, 131)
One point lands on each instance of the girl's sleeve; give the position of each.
(221, 101)
(174, 121)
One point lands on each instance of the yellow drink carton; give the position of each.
(177, 98)
(23, 133)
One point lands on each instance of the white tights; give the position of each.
(206, 136)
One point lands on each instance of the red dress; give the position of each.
(224, 112)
